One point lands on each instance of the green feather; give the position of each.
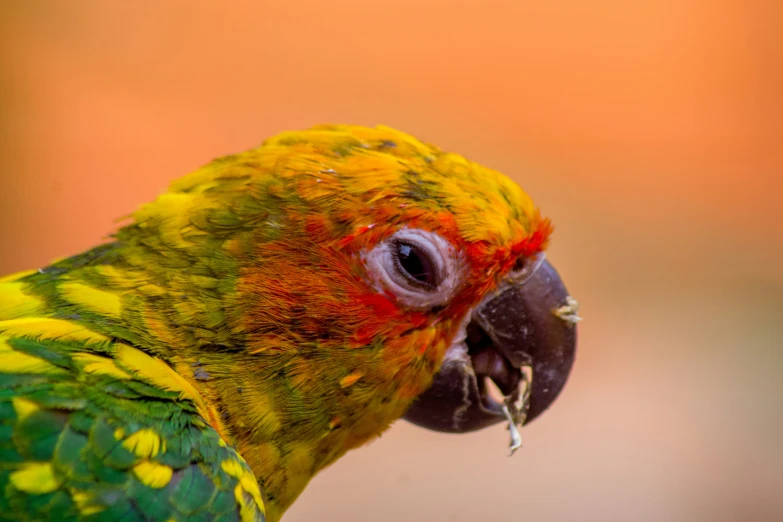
(194, 487)
(36, 435)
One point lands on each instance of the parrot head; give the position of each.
(327, 283)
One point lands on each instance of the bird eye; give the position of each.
(419, 267)
(416, 264)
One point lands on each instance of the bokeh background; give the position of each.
(650, 131)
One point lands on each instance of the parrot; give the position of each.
(267, 313)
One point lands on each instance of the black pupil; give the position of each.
(415, 264)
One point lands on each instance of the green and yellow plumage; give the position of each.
(94, 428)
(232, 316)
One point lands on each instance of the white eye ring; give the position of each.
(419, 267)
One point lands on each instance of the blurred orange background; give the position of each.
(650, 132)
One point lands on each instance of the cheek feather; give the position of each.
(317, 227)
(382, 318)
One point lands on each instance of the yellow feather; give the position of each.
(83, 501)
(23, 407)
(14, 302)
(119, 278)
(37, 478)
(153, 474)
(246, 509)
(100, 365)
(47, 328)
(12, 361)
(232, 467)
(93, 299)
(250, 485)
(174, 211)
(160, 374)
(145, 443)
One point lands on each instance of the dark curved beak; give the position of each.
(523, 340)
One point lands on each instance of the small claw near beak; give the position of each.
(523, 340)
